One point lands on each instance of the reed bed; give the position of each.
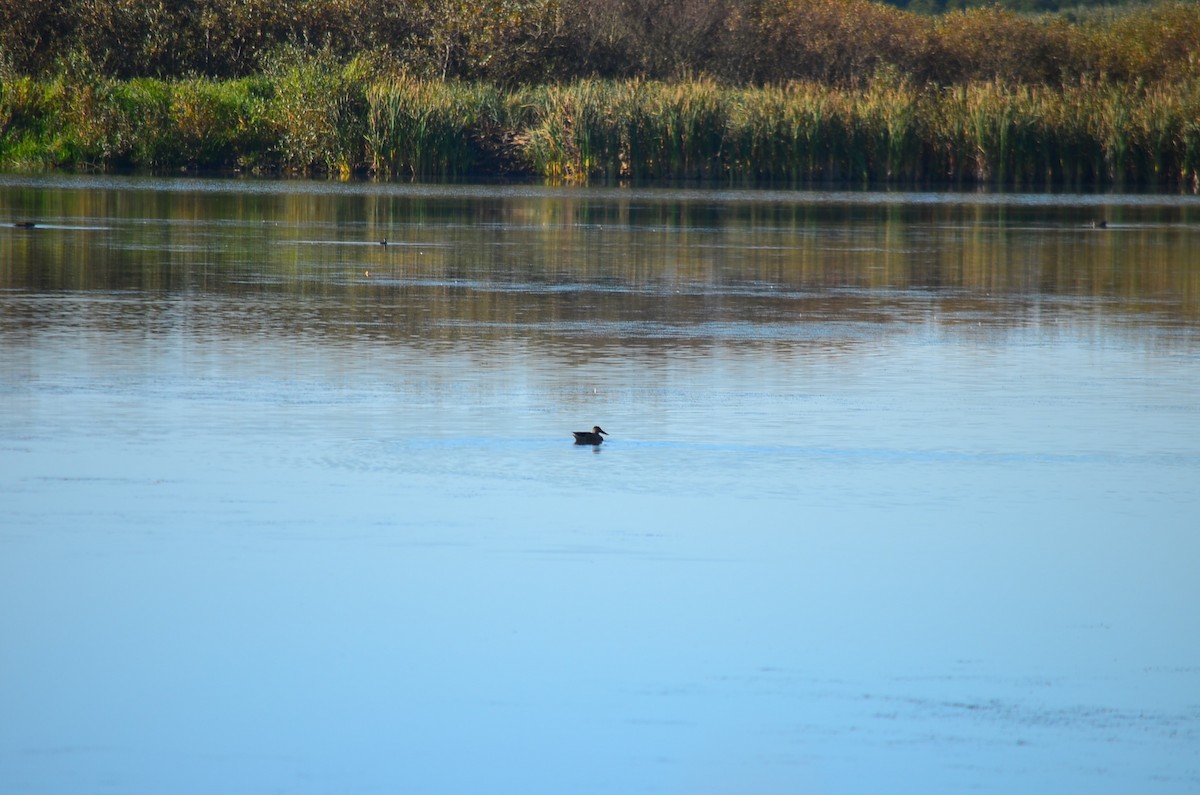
(889, 132)
(422, 128)
(629, 129)
(339, 121)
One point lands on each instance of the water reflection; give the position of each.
(541, 261)
(899, 496)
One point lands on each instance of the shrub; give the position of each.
(840, 42)
(1161, 42)
(989, 44)
(524, 42)
(317, 111)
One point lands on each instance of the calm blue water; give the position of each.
(901, 492)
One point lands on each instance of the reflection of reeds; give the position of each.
(949, 252)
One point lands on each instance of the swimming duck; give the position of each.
(590, 437)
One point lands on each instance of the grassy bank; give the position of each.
(785, 90)
(326, 118)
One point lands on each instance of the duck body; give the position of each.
(590, 437)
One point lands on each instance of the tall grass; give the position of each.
(336, 120)
(628, 129)
(888, 132)
(431, 128)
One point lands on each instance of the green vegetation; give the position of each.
(525, 42)
(1073, 7)
(791, 90)
(1083, 136)
(325, 120)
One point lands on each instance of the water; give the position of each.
(900, 494)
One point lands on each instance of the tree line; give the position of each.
(537, 42)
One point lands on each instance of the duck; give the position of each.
(590, 437)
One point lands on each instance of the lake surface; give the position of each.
(902, 491)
